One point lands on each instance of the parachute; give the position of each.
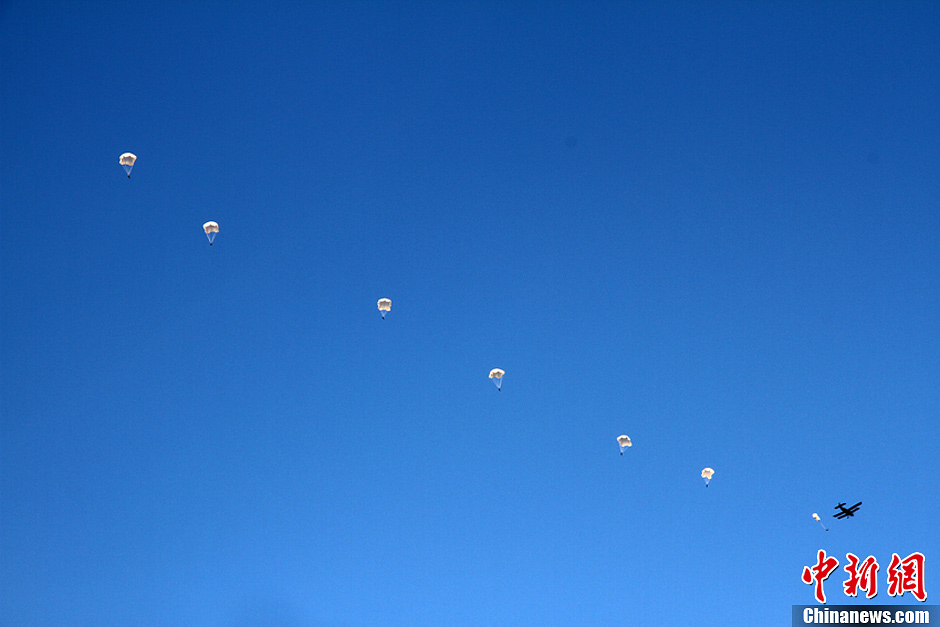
(497, 376)
(127, 161)
(211, 228)
(624, 442)
(385, 304)
(707, 475)
(816, 517)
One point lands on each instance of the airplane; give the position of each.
(845, 513)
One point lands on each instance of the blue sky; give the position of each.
(710, 226)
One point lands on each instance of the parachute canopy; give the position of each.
(816, 516)
(385, 304)
(624, 442)
(707, 475)
(127, 162)
(497, 376)
(211, 228)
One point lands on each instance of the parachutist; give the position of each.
(496, 374)
(211, 228)
(127, 162)
(707, 474)
(623, 441)
(385, 305)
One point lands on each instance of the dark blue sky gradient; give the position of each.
(710, 226)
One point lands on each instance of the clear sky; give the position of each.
(711, 226)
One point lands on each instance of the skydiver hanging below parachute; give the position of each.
(385, 305)
(127, 162)
(211, 229)
(624, 442)
(497, 376)
(707, 475)
(816, 516)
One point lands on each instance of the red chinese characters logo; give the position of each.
(904, 575)
(819, 573)
(907, 575)
(865, 577)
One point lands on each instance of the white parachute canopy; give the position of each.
(624, 442)
(385, 304)
(127, 162)
(211, 228)
(707, 475)
(497, 376)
